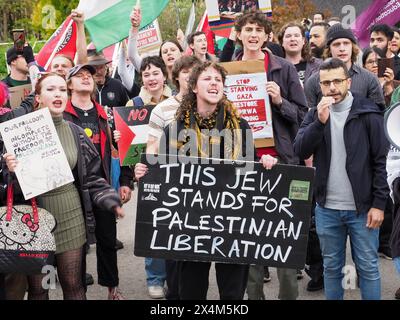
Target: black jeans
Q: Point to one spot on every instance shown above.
(314, 254)
(2, 287)
(106, 235)
(171, 268)
(193, 280)
(386, 228)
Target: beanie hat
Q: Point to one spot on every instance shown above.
(337, 32)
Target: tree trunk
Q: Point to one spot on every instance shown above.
(5, 26)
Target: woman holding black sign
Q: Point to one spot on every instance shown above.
(205, 107)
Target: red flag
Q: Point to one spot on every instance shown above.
(204, 26)
(63, 41)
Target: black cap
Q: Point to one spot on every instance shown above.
(337, 32)
(74, 70)
(12, 54)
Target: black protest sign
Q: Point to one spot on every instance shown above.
(214, 212)
(132, 122)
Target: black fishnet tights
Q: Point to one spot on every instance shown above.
(69, 270)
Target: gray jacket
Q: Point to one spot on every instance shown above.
(312, 67)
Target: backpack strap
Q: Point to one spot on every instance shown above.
(138, 102)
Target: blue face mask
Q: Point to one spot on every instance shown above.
(396, 262)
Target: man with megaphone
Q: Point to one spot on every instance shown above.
(392, 119)
(346, 136)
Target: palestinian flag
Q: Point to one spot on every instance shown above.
(132, 122)
(108, 21)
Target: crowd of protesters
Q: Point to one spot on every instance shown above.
(327, 100)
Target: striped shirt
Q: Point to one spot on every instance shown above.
(363, 82)
(162, 115)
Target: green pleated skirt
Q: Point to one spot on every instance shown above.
(65, 205)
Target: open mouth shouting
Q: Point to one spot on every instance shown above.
(213, 92)
(57, 103)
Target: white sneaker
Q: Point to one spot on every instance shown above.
(156, 292)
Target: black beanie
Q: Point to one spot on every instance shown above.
(12, 54)
(336, 32)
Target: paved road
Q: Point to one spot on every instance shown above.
(132, 274)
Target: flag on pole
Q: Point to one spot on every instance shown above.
(191, 20)
(379, 12)
(205, 27)
(108, 21)
(63, 41)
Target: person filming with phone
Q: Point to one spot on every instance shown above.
(21, 62)
(17, 61)
(374, 61)
(380, 37)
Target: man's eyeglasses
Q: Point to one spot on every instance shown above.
(336, 82)
(372, 62)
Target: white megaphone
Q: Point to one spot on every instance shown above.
(392, 125)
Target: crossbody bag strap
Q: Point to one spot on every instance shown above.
(10, 197)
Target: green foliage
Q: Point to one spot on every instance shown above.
(169, 18)
(49, 14)
(14, 14)
(3, 65)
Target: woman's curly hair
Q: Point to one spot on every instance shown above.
(189, 101)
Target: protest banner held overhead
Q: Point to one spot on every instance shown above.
(215, 212)
(149, 38)
(42, 163)
(132, 122)
(222, 13)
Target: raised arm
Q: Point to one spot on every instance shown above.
(81, 51)
(133, 52)
(127, 73)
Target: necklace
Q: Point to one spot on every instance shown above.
(85, 111)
